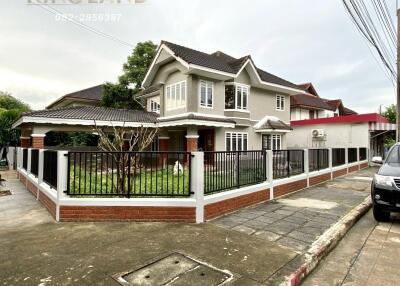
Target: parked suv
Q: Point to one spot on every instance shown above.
(385, 188)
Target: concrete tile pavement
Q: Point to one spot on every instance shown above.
(297, 220)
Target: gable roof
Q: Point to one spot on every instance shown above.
(271, 123)
(308, 100)
(309, 87)
(221, 62)
(93, 93)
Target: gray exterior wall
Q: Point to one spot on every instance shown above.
(261, 102)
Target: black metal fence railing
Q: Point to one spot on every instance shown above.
(318, 159)
(233, 169)
(338, 156)
(35, 162)
(363, 154)
(129, 174)
(287, 163)
(50, 168)
(352, 155)
(25, 159)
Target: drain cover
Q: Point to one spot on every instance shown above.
(175, 269)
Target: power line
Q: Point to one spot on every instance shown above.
(365, 24)
(84, 26)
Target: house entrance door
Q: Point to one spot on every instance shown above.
(206, 140)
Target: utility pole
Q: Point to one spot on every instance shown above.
(398, 78)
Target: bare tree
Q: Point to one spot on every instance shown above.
(120, 142)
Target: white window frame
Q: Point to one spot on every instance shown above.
(242, 136)
(273, 137)
(242, 87)
(207, 84)
(155, 106)
(280, 102)
(174, 91)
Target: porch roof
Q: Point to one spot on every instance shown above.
(271, 123)
(89, 115)
(196, 119)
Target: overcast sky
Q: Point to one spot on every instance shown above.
(42, 58)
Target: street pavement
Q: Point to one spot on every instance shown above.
(297, 220)
(246, 248)
(367, 255)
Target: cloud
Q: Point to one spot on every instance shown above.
(302, 41)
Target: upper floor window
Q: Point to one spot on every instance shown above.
(280, 102)
(176, 95)
(236, 141)
(206, 93)
(236, 96)
(154, 106)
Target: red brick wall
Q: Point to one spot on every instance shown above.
(289, 188)
(22, 179)
(216, 209)
(31, 187)
(38, 142)
(364, 165)
(100, 213)
(191, 144)
(353, 168)
(339, 173)
(48, 203)
(25, 142)
(319, 179)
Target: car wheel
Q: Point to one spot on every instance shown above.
(380, 215)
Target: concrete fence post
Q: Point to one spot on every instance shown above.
(197, 183)
(346, 159)
(306, 166)
(330, 160)
(18, 157)
(40, 170)
(270, 173)
(29, 161)
(358, 157)
(62, 175)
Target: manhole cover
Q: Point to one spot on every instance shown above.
(175, 269)
(5, 193)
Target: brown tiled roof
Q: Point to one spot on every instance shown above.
(93, 93)
(96, 113)
(348, 111)
(309, 88)
(308, 100)
(334, 103)
(222, 62)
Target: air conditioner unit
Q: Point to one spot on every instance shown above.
(318, 133)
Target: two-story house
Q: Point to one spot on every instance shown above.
(215, 102)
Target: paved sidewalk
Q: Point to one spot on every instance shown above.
(297, 220)
(36, 250)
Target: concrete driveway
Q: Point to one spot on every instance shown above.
(35, 250)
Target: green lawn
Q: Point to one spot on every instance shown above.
(145, 183)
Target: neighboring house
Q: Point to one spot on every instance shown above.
(85, 97)
(199, 101)
(323, 123)
(310, 106)
(215, 102)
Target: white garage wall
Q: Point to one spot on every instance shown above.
(336, 135)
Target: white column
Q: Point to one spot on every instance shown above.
(62, 175)
(40, 166)
(346, 158)
(306, 166)
(197, 183)
(330, 160)
(29, 161)
(270, 173)
(358, 157)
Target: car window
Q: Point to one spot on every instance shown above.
(394, 155)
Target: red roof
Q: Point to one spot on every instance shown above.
(367, 117)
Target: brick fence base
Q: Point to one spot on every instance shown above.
(319, 179)
(339, 173)
(223, 207)
(289, 188)
(353, 168)
(118, 213)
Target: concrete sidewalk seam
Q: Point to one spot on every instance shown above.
(325, 243)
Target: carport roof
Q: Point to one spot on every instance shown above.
(87, 115)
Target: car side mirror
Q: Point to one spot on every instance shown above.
(377, 160)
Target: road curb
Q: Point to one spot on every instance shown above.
(303, 265)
